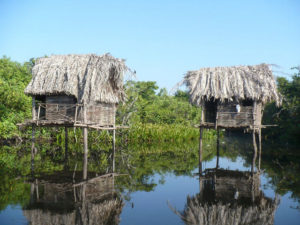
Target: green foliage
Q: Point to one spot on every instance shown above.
(146, 107)
(15, 105)
(287, 117)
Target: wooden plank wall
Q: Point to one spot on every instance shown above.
(63, 110)
(228, 115)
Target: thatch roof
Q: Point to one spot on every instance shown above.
(87, 213)
(229, 197)
(90, 78)
(196, 213)
(232, 83)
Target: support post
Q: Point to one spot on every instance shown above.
(200, 150)
(254, 152)
(33, 134)
(66, 145)
(218, 148)
(113, 150)
(200, 140)
(259, 149)
(114, 144)
(32, 148)
(85, 145)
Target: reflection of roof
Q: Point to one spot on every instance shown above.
(89, 78)
(91, 202)
(216, 203)
(106, 212)
(236, 82)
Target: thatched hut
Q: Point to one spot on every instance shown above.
(229, 197)
(77, 89)
(57, 201)
(232, 97)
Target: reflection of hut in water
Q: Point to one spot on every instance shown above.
(229, 197)
(89, 202)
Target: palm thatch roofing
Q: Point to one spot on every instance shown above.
(197, 212)
(90, 78)
(92, 213)
(232, 83)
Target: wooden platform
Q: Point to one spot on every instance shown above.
(66, 123)
(213, 126)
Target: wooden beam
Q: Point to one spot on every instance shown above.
(218, 148)
(259, 149)
(85, 145)
(66, 144)
(113, 150)
(200, 150)
(254, 152)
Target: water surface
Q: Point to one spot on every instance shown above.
(158, 185)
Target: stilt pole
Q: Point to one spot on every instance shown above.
(66, 144)
(33, 135)
(85, 156)
(259, 149)
(200, 150)
(218, 148)
(200, 141)
(85, 145)
(254, 151)
(113, 150)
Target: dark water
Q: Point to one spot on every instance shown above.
(157, 185)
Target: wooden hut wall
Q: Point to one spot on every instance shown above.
(229, 117)
(258, 114)
(101, 114)
(226, 187)
(60, 107)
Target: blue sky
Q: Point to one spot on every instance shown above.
(161, 40)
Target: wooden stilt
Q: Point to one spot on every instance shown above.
(200, 150)
(200, 141)
(32, 187)
(113, 150)
(32, 148)
(218, 148)
(254, 152)
(66, 145)
(85, 156)
(259, 149)
(33, 134)
(37, 189)
(85, 145)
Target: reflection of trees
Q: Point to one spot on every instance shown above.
(142, 162)
(229, 197)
